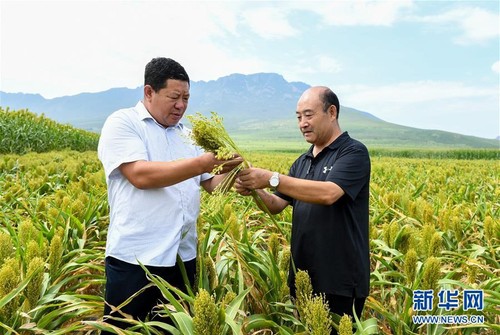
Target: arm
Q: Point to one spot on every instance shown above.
(210, 184)
(274, 203)
(316, 192)
(146, 174)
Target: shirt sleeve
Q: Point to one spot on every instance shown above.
(351, 170)
(120, 142)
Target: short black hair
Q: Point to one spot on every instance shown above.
(160, 69)
(329, 98)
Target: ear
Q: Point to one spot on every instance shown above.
(148, 92)
(333, 111)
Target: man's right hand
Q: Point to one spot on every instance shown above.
(211, 162)
(240, 188)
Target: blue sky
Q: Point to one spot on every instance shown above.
(424, 64)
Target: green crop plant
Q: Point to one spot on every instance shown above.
(433, 224)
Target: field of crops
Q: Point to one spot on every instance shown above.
(435, 226)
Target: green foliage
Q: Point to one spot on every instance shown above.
(434, 224)
(51, 268)
(22, 131)
(445, 153)
(445, 206)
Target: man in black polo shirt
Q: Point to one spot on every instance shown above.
(328, 187)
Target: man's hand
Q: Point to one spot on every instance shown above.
(224, 166)
(241, 189)
(252, 179)
(255, 179)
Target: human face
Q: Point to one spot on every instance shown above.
(315, 124)
(167, 106)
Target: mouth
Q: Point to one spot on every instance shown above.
(176, 116)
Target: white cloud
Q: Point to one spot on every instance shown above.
(316, 64)
(328, 64)
(476, 25)
(68, 47)
(450, 106)
(420, 91)
(269, 22)
(360, 12)
(496, 67)
(82, 46)
(274, 22)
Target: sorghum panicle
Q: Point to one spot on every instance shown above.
(10, 277)
(410, 265)
(345, 325)
(55, 255)
(317, 316)
(274, 245)
(491, 229)
(206, 315)
(304, 291)
(431, 273)
(6, 247)
(34, 288)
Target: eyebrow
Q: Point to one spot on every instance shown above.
(176, 92)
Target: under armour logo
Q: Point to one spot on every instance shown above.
(326, 169)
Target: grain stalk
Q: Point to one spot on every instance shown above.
(211, 135)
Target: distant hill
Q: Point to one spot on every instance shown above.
(258, 110)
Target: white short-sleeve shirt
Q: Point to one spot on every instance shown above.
(152, 226)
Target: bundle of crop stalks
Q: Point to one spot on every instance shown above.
(210, 134)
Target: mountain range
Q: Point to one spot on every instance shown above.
(257, 109)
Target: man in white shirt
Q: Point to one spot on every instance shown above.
(154, 173)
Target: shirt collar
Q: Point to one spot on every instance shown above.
(144, 114)
(339, 141)
(335, 145)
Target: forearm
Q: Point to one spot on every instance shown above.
(273, 203)
(210, 184)
(146, 175)
(311, 191)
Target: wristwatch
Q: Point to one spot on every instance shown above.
(274, 181)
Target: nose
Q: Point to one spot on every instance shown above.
(303, 123)
(180, 104)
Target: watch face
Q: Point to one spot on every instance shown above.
(274, 181)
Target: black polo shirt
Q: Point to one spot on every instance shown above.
(331, 242)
